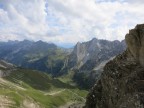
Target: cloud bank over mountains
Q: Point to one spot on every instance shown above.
(68, 21)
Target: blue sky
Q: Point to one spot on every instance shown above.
(68, 21)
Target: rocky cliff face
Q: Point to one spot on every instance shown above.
(122, 81)
(88, 55)
(135, 43)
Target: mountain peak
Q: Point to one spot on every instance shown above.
(94, 39)
(40, 41)
(93, 51)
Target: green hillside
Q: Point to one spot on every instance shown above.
(32, 89)
(42, 56)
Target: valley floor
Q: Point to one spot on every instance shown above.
(30, 89)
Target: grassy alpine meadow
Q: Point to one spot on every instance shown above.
(25, 88)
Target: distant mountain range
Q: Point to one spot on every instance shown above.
(38, 55)
(86, 59)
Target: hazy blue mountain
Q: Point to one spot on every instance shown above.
(86, 59)
(34, 55)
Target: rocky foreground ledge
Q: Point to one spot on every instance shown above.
(122, 81)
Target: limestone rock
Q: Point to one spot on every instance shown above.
(88, 55)
(135, 43)
(122, 82)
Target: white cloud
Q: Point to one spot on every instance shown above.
(106, 20)
(63, 21)
(24, 17)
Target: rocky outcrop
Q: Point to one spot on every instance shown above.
(5, 68)
(135, 43)
(122, 81)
